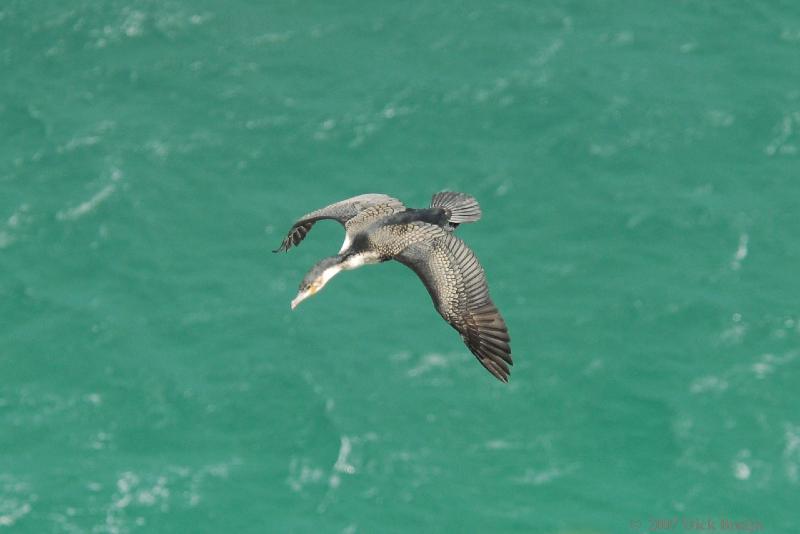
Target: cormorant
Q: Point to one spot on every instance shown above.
(380, 228)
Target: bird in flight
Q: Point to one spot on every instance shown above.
(379, 228)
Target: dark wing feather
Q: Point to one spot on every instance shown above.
(457, 285)
(358, 210)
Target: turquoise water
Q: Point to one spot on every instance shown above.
(637, 165)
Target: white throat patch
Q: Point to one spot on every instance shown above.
(329, 273)
(357, 260)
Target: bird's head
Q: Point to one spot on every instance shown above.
(317, 277)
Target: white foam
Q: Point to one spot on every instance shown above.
(301, 474)
(548, 52)
(741, 252)
(7, 520)
(100, 440)
(498, 444)
(741, 470)
(5, 239)
(87, 207)
(791, 452)
(761, 369)
(708, 383)
(78, 142)
(132, 25)
(341, 465)
(544, 476)
(14, 222)
(429, 361)
(780, 144)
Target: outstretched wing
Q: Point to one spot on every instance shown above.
(353, 213)
(457, 285)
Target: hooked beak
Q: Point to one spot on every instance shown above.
(317, 284)
(303, 295)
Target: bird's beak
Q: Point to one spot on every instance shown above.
(303, 295)
(299, 298)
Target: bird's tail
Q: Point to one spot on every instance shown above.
(461, 208)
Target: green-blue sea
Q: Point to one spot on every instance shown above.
(638, 167)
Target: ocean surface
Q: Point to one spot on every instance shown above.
(638, 166)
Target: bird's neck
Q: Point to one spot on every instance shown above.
(346, 262)
(354, 261)
(329, 273)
